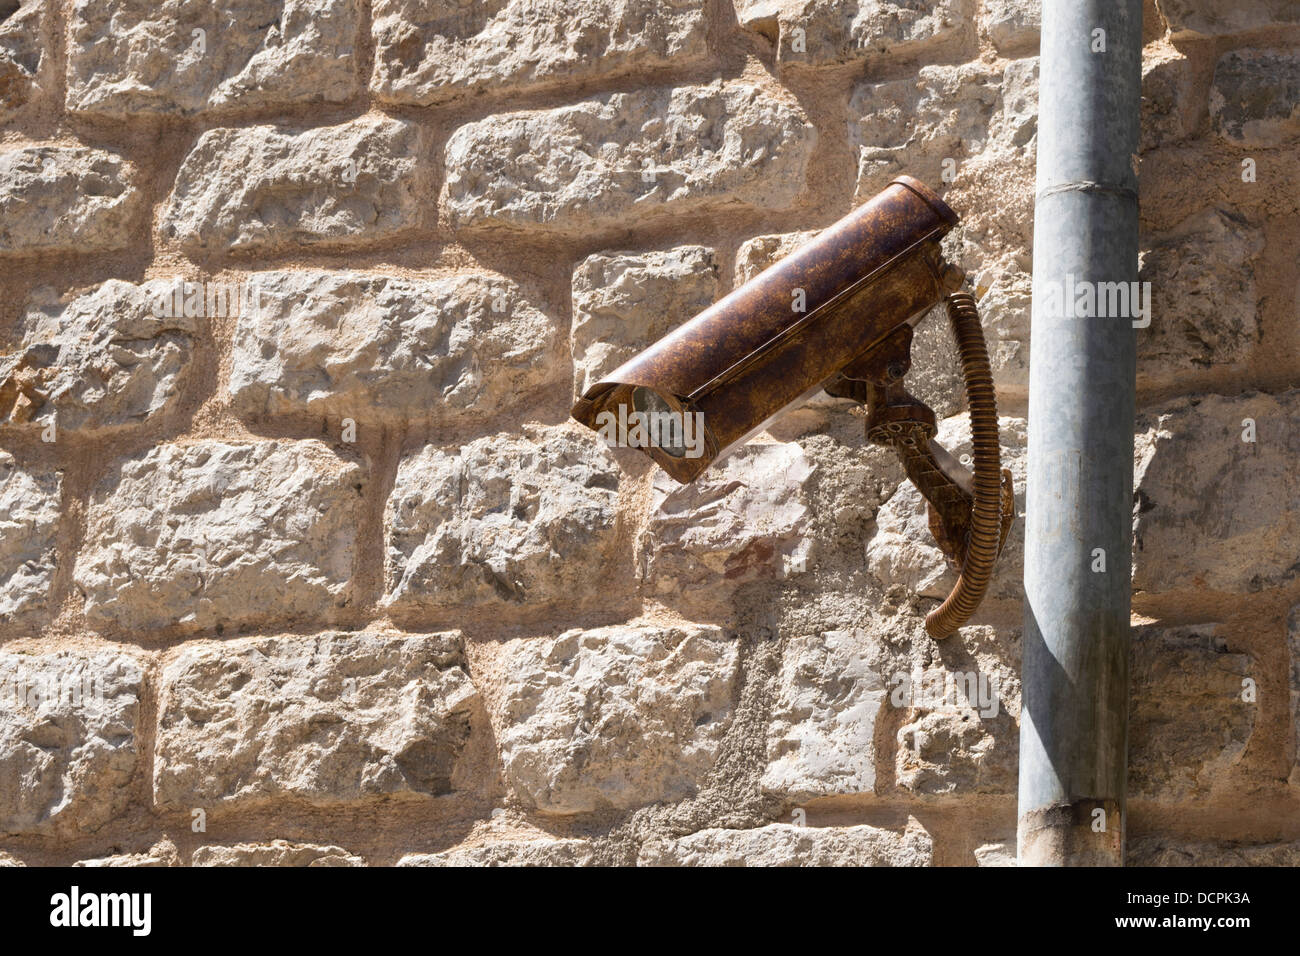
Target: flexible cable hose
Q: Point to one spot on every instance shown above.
(985, 535)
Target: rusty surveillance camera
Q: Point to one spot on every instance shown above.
(836, 314)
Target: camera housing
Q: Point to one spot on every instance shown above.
(783, 335)
(836, 314)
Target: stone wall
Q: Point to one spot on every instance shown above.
(302, 563)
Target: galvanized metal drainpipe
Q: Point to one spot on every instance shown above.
(1074, 717)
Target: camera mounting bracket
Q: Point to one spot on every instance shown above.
(969, 514)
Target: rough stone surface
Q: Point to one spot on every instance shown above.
(1255, 99)
(1212, 511)
(661, 150)
(1203, 300)
(68, 739)
(162, 854)
(1011, 24)
(904, 552)
(30, 508)
(103, 360)
(328, 718)
(992, 176)
(616, 716)
(745, 519)
(221, 534)
(997, 854)
(623, 302)
(782, 844)
(56, 199)
(1199, 17)
(821, 737)
(912, 125)
(1166, 96)
(1170, 851)
(1005, 310)
(275, 853)
(429, 51)
(22, 50)
(761, 252)
(953, 754)
(824, 32)
(850, 481)
(1188, 721)
(1016, 122)
(761, 16)
(373, 347)
(135, 57)
(544, 852)
(346, 185)
(952, 709)
(960, 733)
(506, 519)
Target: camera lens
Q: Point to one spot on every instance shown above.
(664, 425)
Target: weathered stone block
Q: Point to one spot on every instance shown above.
(1203, 296)
(851, 480)
(781, 844)
(506, 519)
(221, 534)
(821, 736)
(961, 737)
(1005, 310)
(1255, 98)
(757, 254)
(373, 347)
(1217, 494)
(162, 853)
(955, 754)
(912, 126)
(1166, 95)
(275, 853)
(543, 852)
(68, 739)
(660, 151)
(744, 519)
(135, 57)
(62, 199)
(110, 358)
(1017, 120)
(761, 16)
(343, 186)
(326, 719)
(1189, 719)
(1187, 18)
(825, 32)
(431, 51)
(615, 717)
(1172, 851)
(997, 854)
(30, 508)
(1011, 24)
(23, 43)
